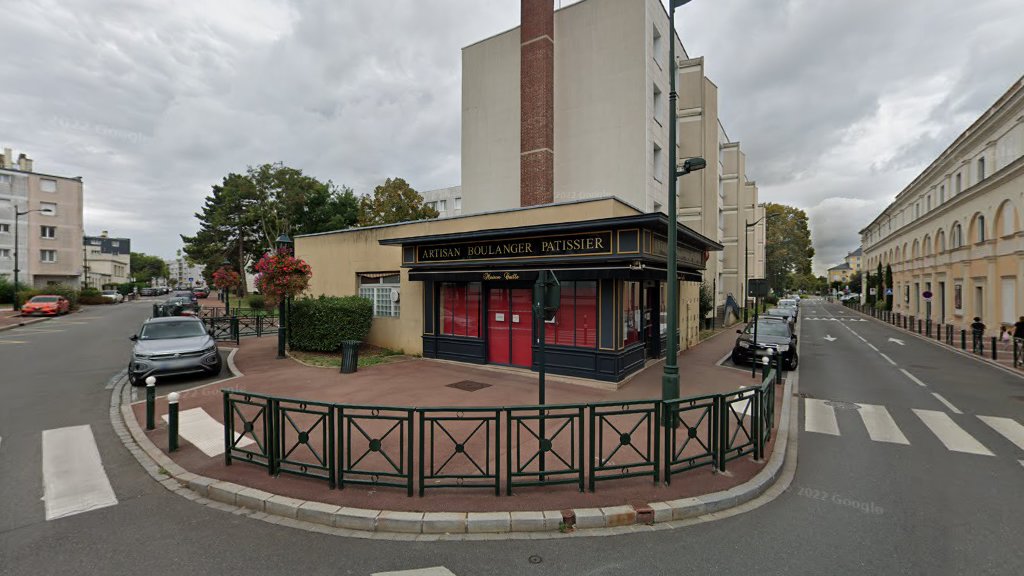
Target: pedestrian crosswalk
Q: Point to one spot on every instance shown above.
(839, 319)
(73, 477)
(957, 433)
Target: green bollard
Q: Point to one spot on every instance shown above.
(172, 421)
(150, 402)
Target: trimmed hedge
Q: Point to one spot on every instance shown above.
(256, 301)
(321, 324)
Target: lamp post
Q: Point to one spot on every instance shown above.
(283, 243)
(227, 291)
(18, 214)
(746, 256)
(670, 376)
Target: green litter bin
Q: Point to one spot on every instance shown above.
(349, 356)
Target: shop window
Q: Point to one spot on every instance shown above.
(460, 309)
(575, 323)
(630, 313)
(381, 288)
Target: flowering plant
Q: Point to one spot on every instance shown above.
(281, 275)
(224, 278)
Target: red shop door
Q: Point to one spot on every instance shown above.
(509, 327)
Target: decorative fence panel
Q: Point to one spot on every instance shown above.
(248, 428)
(375, 446)
(464, 448)
(544, 446)
(691, 438)
(304, 439)
(624, 440)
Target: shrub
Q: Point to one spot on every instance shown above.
(88, 293)
(6, 291)
(256, 301)
(321, 324)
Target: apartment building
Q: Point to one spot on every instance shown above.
(447, 201)
(49, 242)
(107, 261)
(955, 230)
(609, 99)
(181, 272)
(845, 270)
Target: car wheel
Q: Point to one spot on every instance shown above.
(734, 358)
(134, 380)
(793, 362)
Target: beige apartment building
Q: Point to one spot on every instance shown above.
(50, 235)
(955, 231)
(610, 129)
(107, 261)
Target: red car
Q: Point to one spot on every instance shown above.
(201, 293)
(47, 305)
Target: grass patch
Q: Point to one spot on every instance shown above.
(369, 355)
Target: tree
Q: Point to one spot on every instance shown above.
(788, 249)
(145, 267)
(869, 282)
(854, 283)
(888, 286)
(706, 303)
(243, 216)
(392, 202)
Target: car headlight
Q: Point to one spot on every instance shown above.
(783, 348)
(210, 350)
(744, 344)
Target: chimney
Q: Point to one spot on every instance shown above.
(8, 159)
(103, 234)
(537, 103)
(24, 163)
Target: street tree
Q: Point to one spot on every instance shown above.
(854, 283)
(392, 202)
(888, 286)
(788, 249)
(145, 267)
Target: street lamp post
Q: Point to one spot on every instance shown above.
(283, 242)
(670, 376)
(18, 214)
(227, 291)
(746, 257)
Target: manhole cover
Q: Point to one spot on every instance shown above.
(468, 385)
(842, 405)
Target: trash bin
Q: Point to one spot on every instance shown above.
(349, 356)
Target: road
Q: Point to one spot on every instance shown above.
(899, 473)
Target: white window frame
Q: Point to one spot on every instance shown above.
(5, 228)
(48, 208)
(442, 206)
(44, 253)
(44, 229)
(43, 187)
(380, 296)
(5, 253)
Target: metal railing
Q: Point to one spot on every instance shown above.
(462, 447)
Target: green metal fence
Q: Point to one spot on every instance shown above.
(462, 447)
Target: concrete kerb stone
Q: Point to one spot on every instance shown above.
(22, 324)
(365, 523)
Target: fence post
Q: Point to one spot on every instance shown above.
(723, 432)
(963, 339)
(994, 340)
(172, 421)
(229, 428)
(235, 329)
(938, 332)
(150, 402)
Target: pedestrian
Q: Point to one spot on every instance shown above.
(978, 332)
(1004, 336)
(1018, 328)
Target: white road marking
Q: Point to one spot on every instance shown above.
(203, 432)
(820, 417)
(872, 346)
(887, 358)
(432, 571)
(900, 342)
(12, 342)
(880, 425)
(952, 408)
(830, 338)
(915, 380)
(953, 436)
(73, 476)
(1009, 428)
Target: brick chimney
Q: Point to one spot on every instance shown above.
(7, 161)
(537, 103)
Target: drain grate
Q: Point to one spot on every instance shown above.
(468, 385)
(839, 404)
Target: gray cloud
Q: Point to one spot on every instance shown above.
(838, 104)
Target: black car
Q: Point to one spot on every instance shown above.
(772, 332)
(177, 306)
(184, 294)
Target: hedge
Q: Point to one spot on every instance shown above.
(321, 324)
(59, 289)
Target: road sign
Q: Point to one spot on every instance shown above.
(927, 295)
(888, 291)
(757, 287)
(190, 279)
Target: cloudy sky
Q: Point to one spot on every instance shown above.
(838, 103)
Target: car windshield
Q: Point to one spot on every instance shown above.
(44, 299)
(178, 301)
(769, 328)
(778, 312)
(182, 294)
(167, 330)
(787, 303)
(109, 292)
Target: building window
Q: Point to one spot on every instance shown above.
(928, 204)
(917, 210)
(460, 309)
(442, 206)
(942, 194)
(630, 313)
(47, 231)
(5, 228)
(48, 208)
(432, 205)
(956, 238)
(382, 289)
(47, 185)
(5, 253)
(981, 228)
(658, 45)
(659, 103)
(457, 203)
(981, 169)
(48, 255)
(114, 243)
(5, 179)
(657, 161)
(575, 323)
(958, 298)
(956, 190)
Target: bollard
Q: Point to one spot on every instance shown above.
(918, 325)
(938, 332)
(928, 328)
(994, 340)
(963, 339)
(766, 367)
(172, 421)
(150, 402)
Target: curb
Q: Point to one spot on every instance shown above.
(965, 354)
(25, 323)
(429, 526)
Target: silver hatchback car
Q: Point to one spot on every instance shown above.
(170, 346)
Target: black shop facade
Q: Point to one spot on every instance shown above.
(612, 316)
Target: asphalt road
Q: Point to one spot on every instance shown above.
(856, 505)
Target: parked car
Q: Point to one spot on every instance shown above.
(148, 292)
(179, 306)
(788, 313)
(172, 346)
(113, 295)
(185, 294)
(46, 305)
(853, 297)
(201, 293)
(772, 332)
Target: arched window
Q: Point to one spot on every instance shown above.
(956, 237)
(926, 245)
(981, 228)
(1006, 221)
(940, 242)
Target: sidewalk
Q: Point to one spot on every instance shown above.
(423, 382)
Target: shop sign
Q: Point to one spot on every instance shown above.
(506, 276)
(584, 244)
(684, 254)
